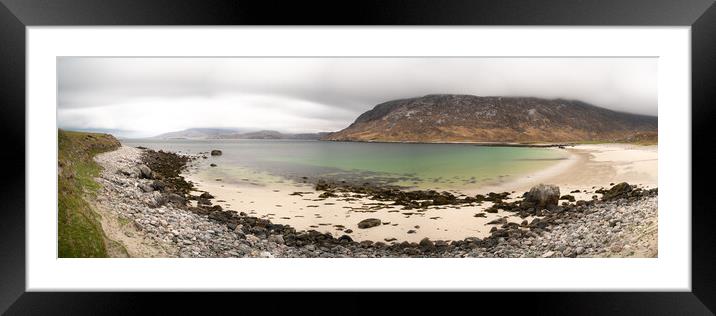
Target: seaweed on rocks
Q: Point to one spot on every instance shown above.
(167, 168)
(409, 199)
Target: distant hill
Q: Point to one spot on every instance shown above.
(468, 118)
(197, 133)
(217, 133)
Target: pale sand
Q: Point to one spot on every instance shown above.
(588, 167)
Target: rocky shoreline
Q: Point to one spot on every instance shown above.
(145, 190)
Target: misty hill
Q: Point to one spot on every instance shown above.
(218, 133)
(197, 133)
(272, 135)
(468, 118)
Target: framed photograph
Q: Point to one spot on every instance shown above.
(421, 146)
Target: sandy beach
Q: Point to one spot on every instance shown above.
(588, 168)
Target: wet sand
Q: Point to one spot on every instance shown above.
(588, 168)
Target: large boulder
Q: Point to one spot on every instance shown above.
(620, 190)
(216, 152)
(145, 172)
(368, 223)
(542, 196)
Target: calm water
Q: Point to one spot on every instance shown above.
(434, 166)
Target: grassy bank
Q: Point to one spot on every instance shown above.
(80, 234)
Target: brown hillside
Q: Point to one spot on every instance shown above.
(467, 118)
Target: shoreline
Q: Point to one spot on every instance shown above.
(590, 167)
(502, 240)
(489, 144)
(277, 204)
(486, 144)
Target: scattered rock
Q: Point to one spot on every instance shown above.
(618, 191)
(146, 188)
(498, 221)
(368, 223)
(277, 239)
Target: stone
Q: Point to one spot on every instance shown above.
(130, 172)
(146, 188)
(345, 238)
(203, 201)
(499, 221)
(277, 239)
(253, 240)
(216, 152)
(368, 223)
(145, 172)
(618, 191)
(174, 198)
(543, 195)
(548, 254)
(579, 250)
(426, 243)
(617, 247)
(411, 251)
(158, 185)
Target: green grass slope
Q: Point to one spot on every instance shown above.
(80, 234)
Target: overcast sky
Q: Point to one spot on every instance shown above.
(137, 97)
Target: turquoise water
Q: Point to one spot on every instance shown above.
(425, 166)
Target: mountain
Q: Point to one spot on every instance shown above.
(197, 133)
(219, 133)
(272, 135)
(468, 118)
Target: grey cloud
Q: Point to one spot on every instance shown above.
(336, 90)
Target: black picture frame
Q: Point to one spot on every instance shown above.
(16, 15)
